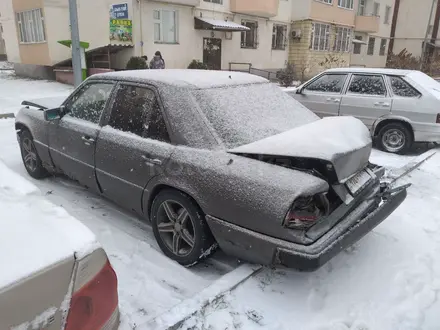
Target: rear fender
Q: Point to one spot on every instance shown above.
(375, 131)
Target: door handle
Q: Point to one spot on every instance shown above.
(154, 161)
(332, 99)
(383, 104)
(87, 140)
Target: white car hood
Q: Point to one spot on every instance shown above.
(35, 233)
(343, 141)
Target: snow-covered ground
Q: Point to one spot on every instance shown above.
(389, 280)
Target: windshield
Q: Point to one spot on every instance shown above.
(248, 113)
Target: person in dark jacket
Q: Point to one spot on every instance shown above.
(145, 57)
(157, 62)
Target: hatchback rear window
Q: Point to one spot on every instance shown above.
(401, 88)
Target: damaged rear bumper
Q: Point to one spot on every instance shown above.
(266, 250)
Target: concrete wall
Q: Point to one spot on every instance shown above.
(2, 45)
(331, 13)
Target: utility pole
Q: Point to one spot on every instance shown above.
(76, 47)
(425, 43)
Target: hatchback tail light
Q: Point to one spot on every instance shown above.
(94, 302)
(306, 211)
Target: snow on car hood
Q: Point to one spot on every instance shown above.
(34, 232)
(343, 141)
(46, 102)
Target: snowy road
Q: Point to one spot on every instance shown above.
(389, 280)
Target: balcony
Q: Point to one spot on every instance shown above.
(261, 8)
(367, 24)
(192, 3)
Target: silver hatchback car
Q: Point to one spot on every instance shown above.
(398, 106)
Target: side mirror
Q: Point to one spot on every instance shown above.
(299, 90)
(53, 114)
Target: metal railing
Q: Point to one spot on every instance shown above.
(247, 67)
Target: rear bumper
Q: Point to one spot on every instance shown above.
(259, 248)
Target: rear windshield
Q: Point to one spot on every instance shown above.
(245, 114)
(424, 80)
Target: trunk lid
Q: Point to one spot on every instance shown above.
(343, 143)
(45, 103)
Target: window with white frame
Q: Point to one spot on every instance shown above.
(387, 15)
(31, 26)
(166, 24)
(220, 2)
(346, 4)
(279, 35)
(376, 9)
(320, 36)
(326, 1)
(343, 39)
(249, 39)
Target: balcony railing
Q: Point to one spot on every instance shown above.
(367, 24)
(192, 3)
(261, 8)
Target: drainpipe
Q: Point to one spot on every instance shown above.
(141, 29)
(393, 28)
(435, 28)
(425, 41)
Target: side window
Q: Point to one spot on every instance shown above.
(329, 83)
(89, 103)
(367, 85)
(402, 88)
(136, 110)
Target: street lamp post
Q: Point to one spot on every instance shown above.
(76, 48)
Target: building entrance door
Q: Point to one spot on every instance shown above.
(212, 53)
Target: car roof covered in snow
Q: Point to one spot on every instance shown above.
(395, 72)
(35, 234)
(198, 79)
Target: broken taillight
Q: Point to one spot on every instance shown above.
(94, 303)
(306, 211)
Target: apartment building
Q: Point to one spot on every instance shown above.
(218, 32)
(343, 32)
(412, 22)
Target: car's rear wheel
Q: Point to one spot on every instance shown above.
(32, 162)
(180, 228)
(395, 138)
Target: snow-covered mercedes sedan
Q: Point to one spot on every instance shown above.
(53, 273)
(213, 159)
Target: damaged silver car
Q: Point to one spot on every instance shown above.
(213, 159)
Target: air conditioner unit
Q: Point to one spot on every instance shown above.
(296, 34)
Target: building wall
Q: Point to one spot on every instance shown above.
(331, 13)
(300, 9)
(7, 20)
(307, 62)
(411, 25)
(2, 43)
(375, 60)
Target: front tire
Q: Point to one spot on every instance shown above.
(32, 162)
(180, 228)
(395, 138)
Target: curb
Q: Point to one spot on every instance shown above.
(177, 315)
(6, 115)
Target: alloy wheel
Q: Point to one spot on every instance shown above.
(176, 228)
(393, 140)
(29, 154)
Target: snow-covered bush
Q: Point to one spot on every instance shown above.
(196, 64)
(286, 75)
(136, 63)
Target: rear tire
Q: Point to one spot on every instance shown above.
(31, 161)
(395, 138)
(180, 228)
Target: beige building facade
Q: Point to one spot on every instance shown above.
(224, 32)
(334, 33)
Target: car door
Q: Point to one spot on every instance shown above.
(134, 146)
(72, 138)
(323, 95)
(366, 98)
